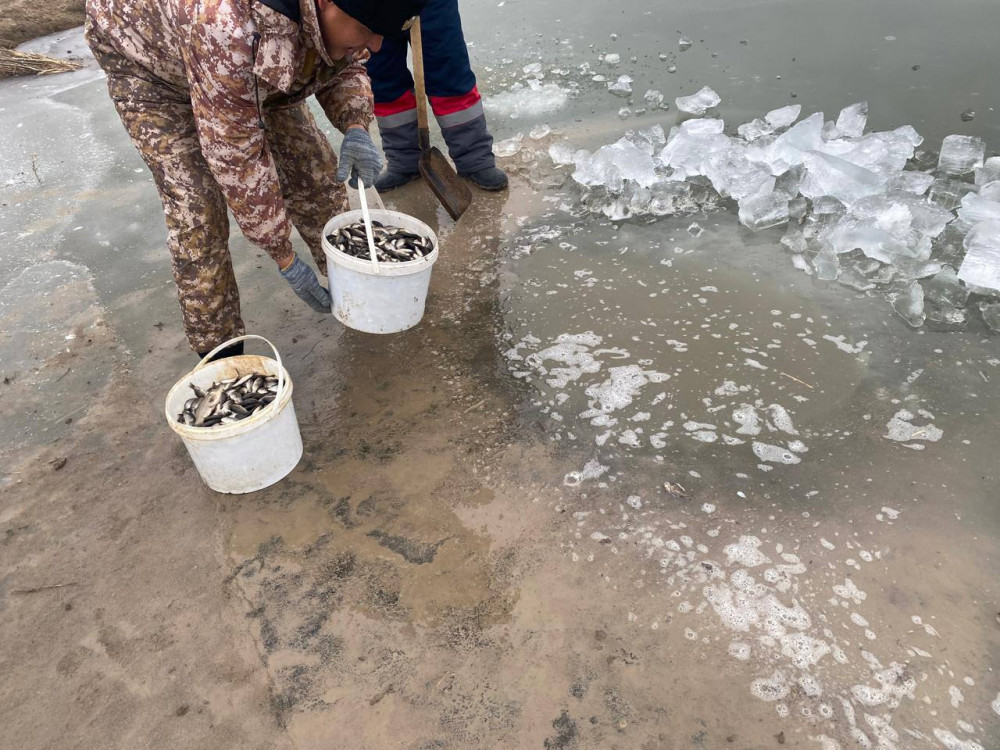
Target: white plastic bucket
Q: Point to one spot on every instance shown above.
(253, 453)
(391, 300)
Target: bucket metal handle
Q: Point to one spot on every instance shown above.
(368, 224)
(236, 340)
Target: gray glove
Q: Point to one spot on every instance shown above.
(358, 156)
(304, 283)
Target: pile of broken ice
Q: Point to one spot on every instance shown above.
(855, 212)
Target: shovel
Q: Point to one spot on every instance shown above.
(444, 182)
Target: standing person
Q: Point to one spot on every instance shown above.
(451, 88)
(212, 94)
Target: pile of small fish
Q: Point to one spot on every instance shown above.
(229, 400)
(392, 244)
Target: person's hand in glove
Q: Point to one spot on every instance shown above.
(359, 157)
(302, 279)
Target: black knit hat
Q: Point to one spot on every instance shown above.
(389, 18)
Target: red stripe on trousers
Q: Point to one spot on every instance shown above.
(449, 105)
(402, 104)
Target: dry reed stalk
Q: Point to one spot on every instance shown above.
(15, 63)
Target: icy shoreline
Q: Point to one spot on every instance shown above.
(858, 207)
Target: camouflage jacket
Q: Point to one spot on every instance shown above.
(211, 49)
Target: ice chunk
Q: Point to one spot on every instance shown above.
(981, 266)
(985, 175)
(734, 175)
(684, 43)
(532, 68)
(853, 278)
(790, 146)
(850, 234)
(692, 145)
(702, 127)
(508, 147)
(612, 164)
(909, 133)
(852, 119)
(948, 193)
(827, 205)
(612, 58)
(650, 140)
(826, 265)
(990, 191)
(946, 289)
(755, 129)
(653, 98)
(831, 176)
(621, 87)
(789, 182)
(699, 103)
(883, 153)
(909, 304)
(798, 208)
(911, 182)
(561, 152)
(961, 154)
(794, 239)
(764, 211)
(976, 208)
(668, 198)
(991, 317)
(929, 218)
(945, 298)
(540, 131)
(783, 116)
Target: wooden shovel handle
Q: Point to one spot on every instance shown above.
(417, 47)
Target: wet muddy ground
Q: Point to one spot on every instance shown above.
(628, 485)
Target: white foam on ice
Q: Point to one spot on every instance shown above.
(774, 453)
(841, 343)
(901, 428)
(951, 742)
(593, 469)
(620, 389)
(740, 651)
(746, 552)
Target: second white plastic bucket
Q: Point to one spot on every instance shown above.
(389, 301)
(250, 454)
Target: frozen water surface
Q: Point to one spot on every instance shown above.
(700, 346)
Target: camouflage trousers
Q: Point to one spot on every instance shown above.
(159, 120)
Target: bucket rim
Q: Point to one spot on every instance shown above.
(385, 269)
(219, 432)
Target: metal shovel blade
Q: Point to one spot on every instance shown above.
(445, 183)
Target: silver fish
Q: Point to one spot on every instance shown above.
(229, 400)
(392, 244)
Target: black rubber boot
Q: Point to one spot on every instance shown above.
(390, 180)
(230, 351)
(491, 178)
